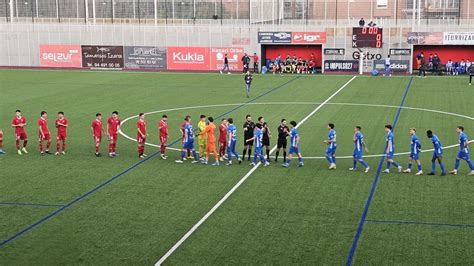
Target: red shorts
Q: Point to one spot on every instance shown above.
(141, 140)
(21, 135)
(113, 137)
(98, 139)
(223, 142)
(163, 139)
(61, 137)
(47, 136)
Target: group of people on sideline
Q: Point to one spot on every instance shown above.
(434, 65)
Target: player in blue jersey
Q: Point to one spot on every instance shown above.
(415, 149)
(463, 153)
(390, 150)
(231, 142)
(360, 146)
(437, 153)
(295, 145)
(188, 141)
(258, 138)
(332, 145)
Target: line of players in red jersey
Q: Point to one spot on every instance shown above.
(44, 135)
(19, 123)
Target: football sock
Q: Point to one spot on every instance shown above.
(456, 165)
(364, 163)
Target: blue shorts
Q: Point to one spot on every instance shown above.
(389, 155)
(294, 150)
(415, 156)
(188, 145)
(358, 154)
(231, 146)
(437, 155)
(331, 151)
(258, 150)
(463, 154)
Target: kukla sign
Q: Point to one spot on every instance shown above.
(188, 58)
(60, 56)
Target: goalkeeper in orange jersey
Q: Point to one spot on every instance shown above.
(210, 131)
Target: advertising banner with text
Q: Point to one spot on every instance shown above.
(60, 55)
(233, 55)
(144, 57)
(188, 58)
(98, 56)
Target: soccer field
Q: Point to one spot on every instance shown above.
(80, 209)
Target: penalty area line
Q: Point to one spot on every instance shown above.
(241, 181)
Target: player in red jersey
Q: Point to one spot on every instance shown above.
(141, 135)
(19, 123)
(43, 132)
(222, 139)
(97, 131)
(113, 126)
(1, 143)
(163, 128)
(61, 126)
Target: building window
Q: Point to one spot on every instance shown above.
(382, 3)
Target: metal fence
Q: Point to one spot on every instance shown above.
(239, 12)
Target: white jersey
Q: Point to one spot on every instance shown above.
(387, 61)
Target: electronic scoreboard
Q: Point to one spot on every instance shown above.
(366, 37)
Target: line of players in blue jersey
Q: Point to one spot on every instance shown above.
(360, 147)
(415, 150)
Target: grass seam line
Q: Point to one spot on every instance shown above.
(360, 227)
(64, 207)
(236, 186)
(30, 204)
(434, 224)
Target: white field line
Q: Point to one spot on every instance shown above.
(241, 181)
(305, 103)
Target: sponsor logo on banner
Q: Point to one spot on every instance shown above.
(188, 58)
(60, 55)
(429, 38)
(145, 57)
(334, 51)
(98, 56)
(464, 38)
(274, 37)
(341, 65)
(395, 65)
(309, 37)
(233, 55)
(367, 56)
(400, 52)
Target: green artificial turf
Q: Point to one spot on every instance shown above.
(306, 215)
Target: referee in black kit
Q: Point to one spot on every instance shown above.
(283, 133)
(249, 128)
(266, 136)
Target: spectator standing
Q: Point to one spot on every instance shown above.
(422, 65)
(255, 63)
(436, 62)
(361, 22)
(387, 70)
(226, 65)
(245, 63)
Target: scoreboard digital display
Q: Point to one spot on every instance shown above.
(367, 37)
